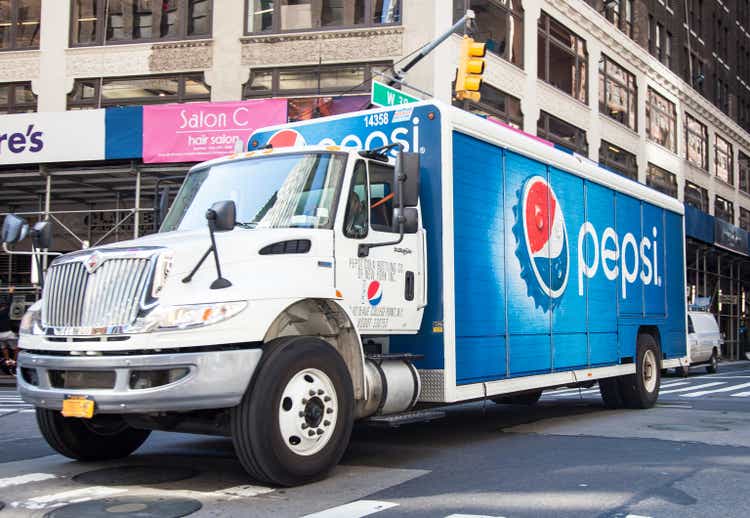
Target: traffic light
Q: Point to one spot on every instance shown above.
(470, 69)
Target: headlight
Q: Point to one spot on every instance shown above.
(32, 319)
(187, 317)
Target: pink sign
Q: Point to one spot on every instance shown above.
(193, 132)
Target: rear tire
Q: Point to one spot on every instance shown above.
(105, 437)
(294, 422)
(527, 398)
(609, 389)
(641, 390)
(713, 367)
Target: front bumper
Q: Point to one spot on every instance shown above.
(217, 379)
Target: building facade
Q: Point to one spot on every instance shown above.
(655, 90)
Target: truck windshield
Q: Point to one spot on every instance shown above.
(277, 191)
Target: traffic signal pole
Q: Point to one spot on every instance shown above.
(399, 74)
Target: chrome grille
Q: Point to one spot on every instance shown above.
(108, 297)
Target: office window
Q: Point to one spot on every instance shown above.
(661, 120)
(495, 103)
(128, 21)
(618, 160)
(127, 91)
(560, 132)
(300, 15)
(743, 166)
(696, 67)
(695, 16)
(668, 49)
(721, 94)
(19, 24)
(724, 209)
(17, 98)
(618, 93)
(562, 58)
(620, 14)
(745, 219)
(696, 196)
(724, 160)
(658, 35)
(661, 180)
(696, 136)
(318, 90)
(499, 25)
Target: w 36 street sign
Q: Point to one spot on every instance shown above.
(384, 95)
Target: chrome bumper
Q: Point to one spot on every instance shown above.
(217, 379)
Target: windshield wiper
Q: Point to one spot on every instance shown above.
(251, 224)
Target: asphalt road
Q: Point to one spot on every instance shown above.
(568, 456)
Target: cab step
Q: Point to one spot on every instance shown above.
(396, 420)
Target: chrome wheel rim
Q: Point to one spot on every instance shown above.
(649, 371)
(308, 411)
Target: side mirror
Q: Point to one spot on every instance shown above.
(13, 229)
(407, 178)
(411, 220)
(162, 206)
(24, 232)
(41, 235)
(222, 216)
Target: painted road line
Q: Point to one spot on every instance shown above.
(68, 497)
(25, 479)
(741, 394)
(575, 391)
(472, 516)
(687, 389)
(714, 391)
(353, 510)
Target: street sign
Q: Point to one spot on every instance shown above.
(384, 95)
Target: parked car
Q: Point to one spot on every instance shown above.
(704, 340)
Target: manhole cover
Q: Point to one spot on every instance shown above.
(134, 476)
(133, 506)
(688, 427)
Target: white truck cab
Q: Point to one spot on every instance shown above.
(149, 333)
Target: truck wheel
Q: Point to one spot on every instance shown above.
(294, 422)
(640, 390)
(528, 398)
(609, 389)
(713, 366)
(105, 437)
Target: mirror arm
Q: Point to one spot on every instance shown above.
(189, 277)
(220, 282)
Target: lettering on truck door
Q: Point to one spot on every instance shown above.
(382, 290)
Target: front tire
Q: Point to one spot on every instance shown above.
(713, 366)
(641, 390)
(294, 422)
(104, 437)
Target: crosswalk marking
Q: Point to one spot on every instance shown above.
(741, 394)
(356, 509)
(25, 479)
(712, 391)
(11, 402)
(687, 389)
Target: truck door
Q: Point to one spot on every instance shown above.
(385, 289)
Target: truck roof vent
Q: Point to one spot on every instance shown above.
(293, 246)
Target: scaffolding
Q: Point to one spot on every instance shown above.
(90, 204)
(717, 274)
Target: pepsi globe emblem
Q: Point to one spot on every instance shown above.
(286, 138)
(374, 293)
(542, 243)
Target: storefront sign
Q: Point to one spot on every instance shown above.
(195, 132)
(728, 236)
(29, 138)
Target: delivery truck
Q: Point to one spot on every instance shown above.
(372, 266)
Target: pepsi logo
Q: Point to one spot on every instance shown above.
(544, 242)
(286, 138)
(374, 293)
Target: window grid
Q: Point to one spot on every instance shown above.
(17, 98)
(617, 159)
(696, 142)
(269, 16)
(20, 22)
(696, 196)
(560, 132)
(138, 90)
(495, 103)
(724, 209)
(131, 21)
(724, 160)
(618, 93)
(661, 180)
(552, 35)
(661, 120)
